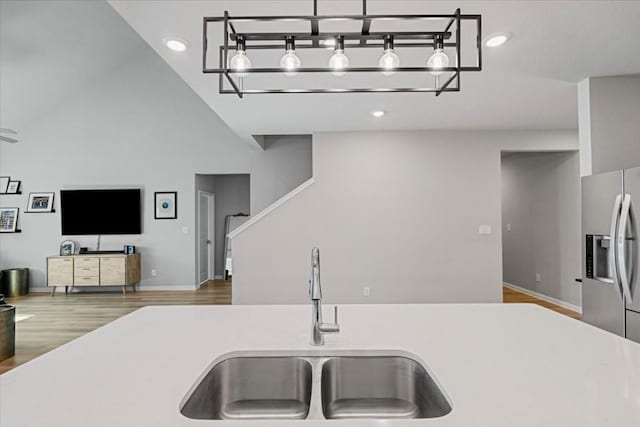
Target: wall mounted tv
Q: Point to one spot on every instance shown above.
(116, 211)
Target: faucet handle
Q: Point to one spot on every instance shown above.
(331, 328)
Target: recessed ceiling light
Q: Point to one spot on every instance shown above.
(176, 44)
(378, 113)
(497, 40)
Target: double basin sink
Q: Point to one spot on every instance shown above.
(256, 386)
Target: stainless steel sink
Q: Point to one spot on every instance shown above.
(347, 385)
(253, 388)
(379, 387)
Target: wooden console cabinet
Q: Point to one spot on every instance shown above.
(93, 270)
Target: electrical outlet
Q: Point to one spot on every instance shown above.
(508, 227)
(154, 273)
(538, 277)
(366, 291)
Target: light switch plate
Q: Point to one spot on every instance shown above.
(484, 229)
(185, 230)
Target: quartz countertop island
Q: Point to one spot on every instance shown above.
(511, 365)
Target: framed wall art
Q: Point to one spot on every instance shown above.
(8, 220)
(4, 183)
(13, 187)
(40, 202)
(166, 204)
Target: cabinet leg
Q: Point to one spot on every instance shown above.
(66, 290)
(124, 290)
(53, 291)
(134, 287)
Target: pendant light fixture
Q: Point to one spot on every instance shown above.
(422, 49)
(438, 59)
(389, 60)
(240, 61)
(339, 61)
(290, 61)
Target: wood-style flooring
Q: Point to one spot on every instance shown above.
(512, 296)
(60, 319)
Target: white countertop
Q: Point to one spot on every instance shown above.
(511, 365)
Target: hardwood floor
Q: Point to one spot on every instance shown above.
(60, 319)
(511, 296)
(57, 320)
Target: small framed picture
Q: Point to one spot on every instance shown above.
(166, 204)
(8, 220)
(40, 202)
(13, 187)
(68, 247)
(4, 183)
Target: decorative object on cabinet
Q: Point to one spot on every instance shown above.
(9, 220)
(4, 183)
(13, 187)
(129, 249)
(165, 204)
(40, 202)
(93, 270)
(68, 247)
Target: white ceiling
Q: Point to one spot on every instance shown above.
(51, 51)
(529, 83)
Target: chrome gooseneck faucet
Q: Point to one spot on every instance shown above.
(318, 328)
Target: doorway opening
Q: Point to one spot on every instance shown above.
(541, 243)
(221, 199)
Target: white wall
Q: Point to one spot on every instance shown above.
(284, 164)
(143, 126)
(396, 212)
(609, 110)
(541, 206)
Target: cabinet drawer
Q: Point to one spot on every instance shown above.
(86, 267)
(87, 261)
(80, 280)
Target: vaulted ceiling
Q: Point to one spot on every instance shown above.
(529, 83)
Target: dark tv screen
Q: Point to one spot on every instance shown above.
(100, 212)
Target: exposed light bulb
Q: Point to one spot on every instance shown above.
(389, 61)
(438, 60)
(240, 62)
(339, 62)
(290, 62)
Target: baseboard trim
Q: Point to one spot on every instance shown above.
(543, 297)
(218, 277)
(112, 288)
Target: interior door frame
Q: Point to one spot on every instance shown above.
(210, 236)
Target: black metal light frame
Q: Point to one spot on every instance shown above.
(364, 39)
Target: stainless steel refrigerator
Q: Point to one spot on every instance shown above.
(610, 261)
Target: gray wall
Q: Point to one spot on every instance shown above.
(142, 126)
(398, 212)
(609, 110)
(541, 206)
(284, 164)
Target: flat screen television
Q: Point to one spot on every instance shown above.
(116, 211)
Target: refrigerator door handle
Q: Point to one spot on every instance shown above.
(621, 246)
(613, 269)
